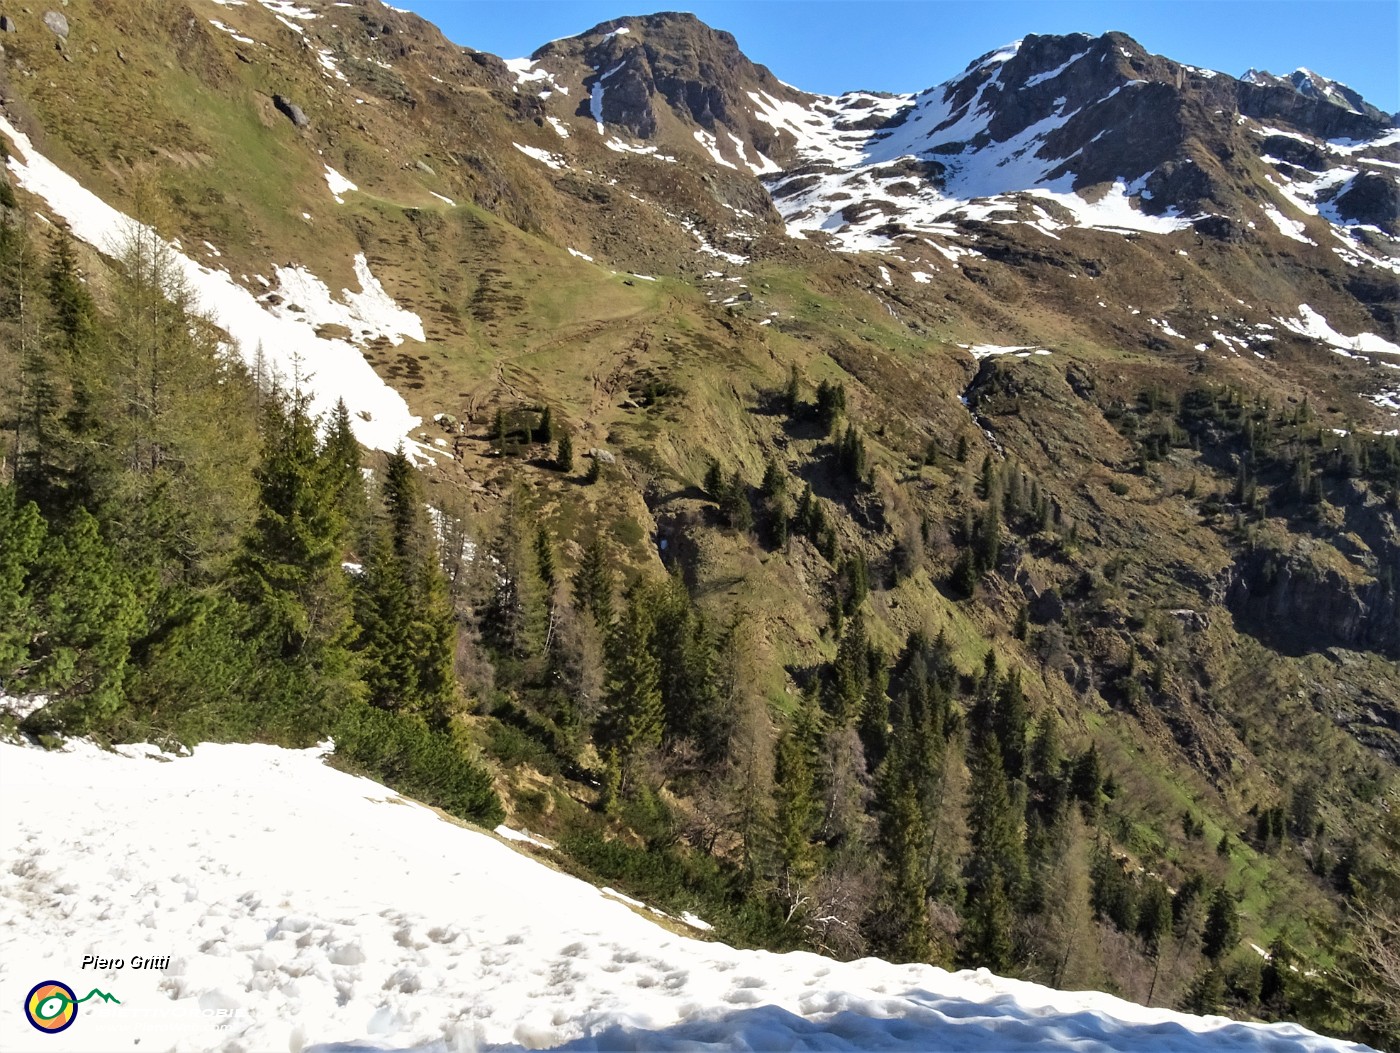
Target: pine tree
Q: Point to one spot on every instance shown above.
(850, 672)
(685, 656)
(1009, 722)
(89, 613)
(906, 848)
(545, 432)
(792, 395)
(403, 505)
(384, 611)
(544, 560)
(564, 459)
(986, 941)
(435, 644)
(288, 570)
(22, 538)
(593, 582)
(795, 812)
(998, 849)
(1222, 927)
(500, 433)
(69, 300)
(341, 454)
(633, 713)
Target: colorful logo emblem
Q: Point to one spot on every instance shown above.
(52, 1006)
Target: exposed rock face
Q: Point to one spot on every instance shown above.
(1302, 605)
(1311, 85)
(1371, 198)
(1315, 115)
(628, 89)
(57, 23)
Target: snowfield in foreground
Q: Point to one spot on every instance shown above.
(304, 909)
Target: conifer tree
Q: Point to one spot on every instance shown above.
(89, 612)
(69, 300)
(342, 457)
(986, 941)
(906, 847)
(1009, 721)
(1222, 927)
(998, 849)
(564, 459)
(22, 536)
(384, 611)
(794, 813)
(544, 559)
(633, 713)
(792, 395)
(288, 570)
(593, 582)
(685, 656)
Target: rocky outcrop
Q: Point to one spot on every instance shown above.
(1300, 604)
(1316, 116)
(1371, 198)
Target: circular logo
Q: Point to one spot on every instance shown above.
(51, 1006)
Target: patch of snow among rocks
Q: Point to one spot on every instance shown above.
(544, 157)
(339, 184)
(1311, 324)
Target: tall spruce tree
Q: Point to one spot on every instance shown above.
(593, 582)
(407, 631)
(288, 570)
(633, 714)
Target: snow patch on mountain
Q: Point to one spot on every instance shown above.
(525, 73)
(922, 161)
(1289, 228)
(339, 185)
(231, 32)
(595, 99)
(1311, 324)
(544, 157)
(303, 907)
(711, 145)
(331, 368)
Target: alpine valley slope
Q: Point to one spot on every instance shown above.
(1126, 329)
(309, 910)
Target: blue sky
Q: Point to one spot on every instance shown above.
(831, 46)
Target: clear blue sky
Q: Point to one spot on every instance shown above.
(830, 46)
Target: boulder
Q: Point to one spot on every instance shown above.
(7, 24)
(292, 111)
(58, 23)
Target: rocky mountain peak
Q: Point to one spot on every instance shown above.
(1314, 86)
(635, 68)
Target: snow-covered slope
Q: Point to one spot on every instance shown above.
(878, 166)
(305, 909)
(279, 321)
